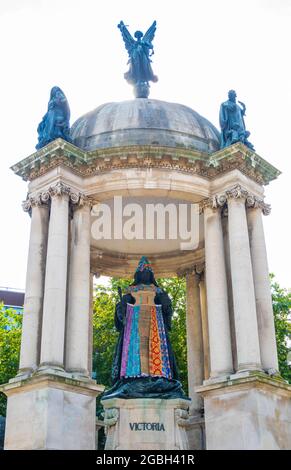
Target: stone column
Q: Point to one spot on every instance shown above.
(32, 317)
(205, 331)
(90, 331)
(77, 326)
(194, 340)
(246, 327)
(217, 302)
(264, 306)
(54, 308)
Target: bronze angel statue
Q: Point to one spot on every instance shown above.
(140, 50)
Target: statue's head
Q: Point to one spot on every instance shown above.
(56, 92)
(144, 273)
(58, 97)
(231, 95)
(138, 35)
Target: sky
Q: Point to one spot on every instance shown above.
(203, 48)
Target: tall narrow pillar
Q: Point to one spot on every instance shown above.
(77, 327)
(217, 303)
(194, 339)
(90, 331)
(246, 327)
(34, 289)
(265, 316)
(205, 330)
(54, 308)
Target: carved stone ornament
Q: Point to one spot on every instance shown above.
(111, 416)
(59, 189)
(237, 192)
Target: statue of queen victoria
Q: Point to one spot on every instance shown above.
(144, 365)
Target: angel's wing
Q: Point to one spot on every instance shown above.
(127, 37)
(150, 34)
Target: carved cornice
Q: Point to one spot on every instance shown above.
(237, 192)
(179, 159)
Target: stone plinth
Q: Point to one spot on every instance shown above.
(51, 412)
(251, 412)
(146, 423)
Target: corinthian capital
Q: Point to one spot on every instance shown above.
(254, 202)
(59, 189)
(214, 202)
(237, 192)
(32, 201)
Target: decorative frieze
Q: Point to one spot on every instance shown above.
(61, 153)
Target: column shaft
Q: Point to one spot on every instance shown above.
(217, 301)
(79, 294)
(33, 303)
(264, 306)
(205, 331)
(246, 328)
(54, 308)
(194, 339)
(90, 331)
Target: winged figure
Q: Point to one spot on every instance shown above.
(140, 50)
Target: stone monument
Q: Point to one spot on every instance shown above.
(148, 151)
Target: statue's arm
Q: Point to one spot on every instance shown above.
(120, 310)
(243, 108)
(127, 37)
(223, 116)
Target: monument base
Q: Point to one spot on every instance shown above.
(146, 423)
(51, 412)
(249, 413)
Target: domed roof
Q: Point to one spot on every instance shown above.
(144, 122)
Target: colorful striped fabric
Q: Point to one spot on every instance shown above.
(145, 320)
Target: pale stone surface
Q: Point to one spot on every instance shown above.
(90, 329)
(218, 316)
(172, 415)
(77, 324)
(34, 289)
(46, 412)
(252, 413)
(229, 289)
(246, 327)
(205, 330)
(54, 307)
(265, 316)
(194, 340)
(195, 429)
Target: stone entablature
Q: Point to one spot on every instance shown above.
(99, 161)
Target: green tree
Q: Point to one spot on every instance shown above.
(10, 338)
(281, 299)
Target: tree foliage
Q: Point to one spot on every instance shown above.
(10, 338)
(281, 299)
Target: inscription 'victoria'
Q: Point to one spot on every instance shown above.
(147, 426)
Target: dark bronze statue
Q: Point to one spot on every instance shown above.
(140, 50)
(144, 364)
(56, 122)
(231, 119)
